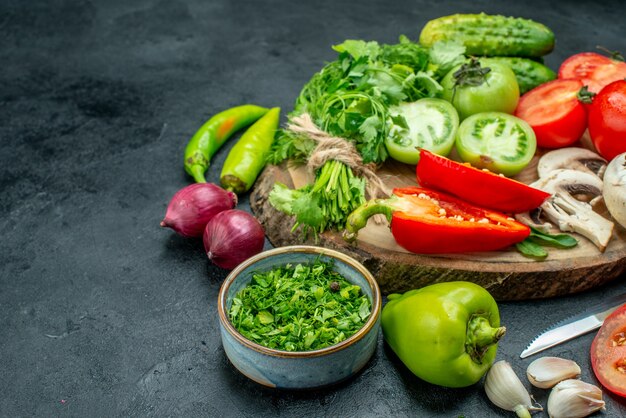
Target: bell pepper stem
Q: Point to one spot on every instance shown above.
(480, 336)
(359, 217)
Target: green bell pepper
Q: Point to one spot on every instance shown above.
(445, 333)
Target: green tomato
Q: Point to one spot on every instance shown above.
(427, 123)
(472, 89)
(497, 141)
(446, 333)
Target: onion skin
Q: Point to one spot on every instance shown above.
(231, 237)
(193, 206)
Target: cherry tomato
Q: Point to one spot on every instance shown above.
(497, 141)
(594, 70)
(430, 124)
(497, 92)
(607, 120)
(608, 352)
(554, 112)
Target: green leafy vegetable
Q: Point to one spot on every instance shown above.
(532, 246)
(358, 49)
(554, 240)
(351, 98)
(445, 55)
(299, 308)
(530, 249)
(325, 204)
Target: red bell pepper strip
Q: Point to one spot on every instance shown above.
(482, 188)
(424, 221)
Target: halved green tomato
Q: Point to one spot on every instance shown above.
(427, 123)
(497, 141)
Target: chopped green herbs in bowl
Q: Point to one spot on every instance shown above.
(306, 306)
(299, 317)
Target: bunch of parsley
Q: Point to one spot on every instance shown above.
(350, 98)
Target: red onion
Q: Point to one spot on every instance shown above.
(231, 237)
(193, 206)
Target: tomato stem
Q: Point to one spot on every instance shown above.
(614, 55)
(584, 95)
(471, 74)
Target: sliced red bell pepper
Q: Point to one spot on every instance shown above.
(482, 188)
(424, 221)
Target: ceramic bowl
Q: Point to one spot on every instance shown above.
(300, 369)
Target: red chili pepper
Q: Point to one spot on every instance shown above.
(482, 188)
(424, 221)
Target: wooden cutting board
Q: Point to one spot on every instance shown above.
(506, 274)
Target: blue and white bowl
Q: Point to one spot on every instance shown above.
(299, 369)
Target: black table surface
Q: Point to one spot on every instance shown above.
(103, 312)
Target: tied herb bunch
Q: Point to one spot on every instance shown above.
(350, 99)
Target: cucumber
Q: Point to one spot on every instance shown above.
(491, 35)
(529, 73)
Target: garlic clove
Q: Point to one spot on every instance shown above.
(574, 399)
(545, 372)
(505, 390)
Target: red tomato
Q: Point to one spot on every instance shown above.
(580, 66)
(594, 70)
(607, 120)
(554, 112)
(608, 352)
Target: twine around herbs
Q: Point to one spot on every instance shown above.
(338, 149)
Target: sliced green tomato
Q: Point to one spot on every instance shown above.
(427, 123)
(497, 141)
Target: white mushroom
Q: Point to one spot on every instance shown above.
(615, 188)
(534, 219)
(572, 158)
(571, 214)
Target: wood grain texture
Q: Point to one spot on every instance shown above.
(506, 274)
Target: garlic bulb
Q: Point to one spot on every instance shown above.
(505, 390)
(574, 399)
(545, 372)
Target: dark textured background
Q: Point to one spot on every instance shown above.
(105, 314)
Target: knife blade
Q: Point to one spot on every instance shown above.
(574, 326)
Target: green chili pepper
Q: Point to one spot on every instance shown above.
(247, 157)
(212, 135)
(445, 333)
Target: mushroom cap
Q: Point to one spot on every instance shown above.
(570, 181)
(571, 214)
(615, 188)
(573, 158)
